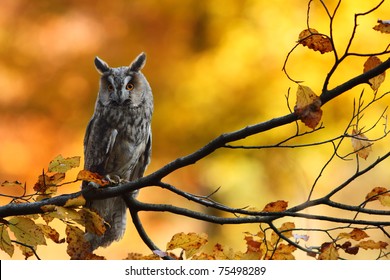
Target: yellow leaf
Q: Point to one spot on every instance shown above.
(308, 107)
(383, 26)
(77, 201)
(68, 214)
(190, 242)
(371, 63)
(328, 252)
(92, 221)
(5, 241)
(315, 41)
(62, 165)
(48, 183)
(284, 252)
(356, 234)
(78, 248)
(360, 144)
(276, 206)
(381, 194)
(51, 233)
(26, 231)
(371, 244)
(285, 229)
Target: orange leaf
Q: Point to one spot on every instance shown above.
(284, 252)
(315, 41)
(360, 144)
(371, 244)
(371, 63)
(355, 234)
(328, 252)
(276, 206)
(190, 242)
(383, 26)
(48, 183)
(89, 176)
(308, 107)
(78, 248)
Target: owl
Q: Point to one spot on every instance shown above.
(118, 140)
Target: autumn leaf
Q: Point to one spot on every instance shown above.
(371, 63)
(11, 184)
(190, 242)
(89, 176)
(48, 184)
(349, 249)
(315, 41)
(308, 107)
(51, 233)
(360, 144)
(370, 244)
(383, 26)
(138, 256)
(328, 252)
(284, 252)
(356, 234)
(5, 241)
(379, 193)
(92, 221)
(276, 206)
(77, 201)
(68, 214)
(285, 229)
(78, 248)
(26, 231)
(62, 165)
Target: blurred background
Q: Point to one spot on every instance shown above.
(214, 67)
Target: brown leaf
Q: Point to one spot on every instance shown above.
(190, 242)
(328, 252)
(276, 206)
(308, 107)
(78, 248)
(47, 184)
(356, 234)
(5, 241)
(315, 41)
(371, 63)
(371, 244)
(360, 144)
(92, 221)
(51, 233)
(89, 176)
(62, 165)
(383, 26)
(77, 201)
(284, 252)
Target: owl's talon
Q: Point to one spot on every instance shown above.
(93, 185)
(114, 179)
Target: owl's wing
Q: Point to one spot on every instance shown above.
(98, 143)
(143, 160)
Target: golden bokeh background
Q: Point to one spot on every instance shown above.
(214, 67)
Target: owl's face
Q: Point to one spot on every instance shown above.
(123, 87)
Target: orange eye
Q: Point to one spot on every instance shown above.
(110, 87)
(129, 86)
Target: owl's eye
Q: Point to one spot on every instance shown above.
(129, 86)
(110, 87)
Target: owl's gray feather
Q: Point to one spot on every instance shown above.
(118, 139)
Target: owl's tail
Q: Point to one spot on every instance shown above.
(113, 211)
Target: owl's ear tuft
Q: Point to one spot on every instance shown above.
(101, 65)
(138, 63)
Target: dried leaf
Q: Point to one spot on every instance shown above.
(308, 107)
(190, 242)
(47, 184)
(328, 252)
(68, 214)
(62, 165)
(315, 41)
(26, 231)
(5, 241)
(92, 221)
(51, 233)
(383, 26)
(89, 176)
(78, 248)
(360, 144)
(371, 63)
(356, 234)
(285, 229)
(284, 252)
(74, 202)
(371, 244)
(276, 206)
(138, 256)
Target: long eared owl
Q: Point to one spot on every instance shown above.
(118, 139)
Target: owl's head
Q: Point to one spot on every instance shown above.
(123, 86)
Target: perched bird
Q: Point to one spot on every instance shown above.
(118, 140)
